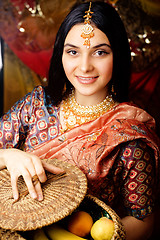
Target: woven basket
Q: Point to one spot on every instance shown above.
(97, 209)
(91, 204)
(61, 197)
(10, 235)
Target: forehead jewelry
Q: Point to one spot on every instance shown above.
(87, 31)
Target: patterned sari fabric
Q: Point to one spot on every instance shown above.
(118, 152)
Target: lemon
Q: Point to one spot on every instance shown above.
(102, 229)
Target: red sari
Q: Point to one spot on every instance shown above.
(94, 146)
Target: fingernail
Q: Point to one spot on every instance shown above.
(34, 195)
(40, 197)
(15, 196)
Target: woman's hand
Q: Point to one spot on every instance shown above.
(25, 164)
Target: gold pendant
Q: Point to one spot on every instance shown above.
(87, 31)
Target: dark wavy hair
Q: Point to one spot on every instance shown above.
(106, 18)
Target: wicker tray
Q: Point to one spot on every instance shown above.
(10, 235)
(61, 197)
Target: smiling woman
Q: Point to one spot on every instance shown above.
(88, 69)
(84, 117)
(117, 39)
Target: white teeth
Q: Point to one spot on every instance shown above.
(85, 78)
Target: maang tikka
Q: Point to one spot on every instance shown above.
(87, 31)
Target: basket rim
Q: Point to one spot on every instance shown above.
(118, 225)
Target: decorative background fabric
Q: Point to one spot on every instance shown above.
(34, 46)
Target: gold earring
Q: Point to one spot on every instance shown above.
(112, 90)
(64, 88)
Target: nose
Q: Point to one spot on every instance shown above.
(85, 63)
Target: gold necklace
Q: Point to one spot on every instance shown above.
(74, 114)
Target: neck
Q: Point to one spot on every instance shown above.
(85, 100)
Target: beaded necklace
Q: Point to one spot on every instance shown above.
(74, 114)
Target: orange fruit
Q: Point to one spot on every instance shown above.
(80, 223)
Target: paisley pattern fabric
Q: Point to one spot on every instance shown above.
(118, 152)
(138, 178)
(30, 121)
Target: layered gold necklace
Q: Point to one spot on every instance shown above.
(74, 114)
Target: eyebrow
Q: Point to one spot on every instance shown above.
(101, 45)
(70, 45)
(96, 46)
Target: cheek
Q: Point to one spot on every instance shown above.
(68, 66)
(106, 68)
(109, 69)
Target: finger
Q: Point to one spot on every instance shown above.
(28, 180)
(36, 169)
(51, 168)
(39, 191)
(39, 169)
(14, 185)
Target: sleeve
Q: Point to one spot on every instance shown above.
(14, 124)
(138, 179)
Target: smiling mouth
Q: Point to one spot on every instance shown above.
(86, 80)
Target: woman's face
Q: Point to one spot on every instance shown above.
(88, 69)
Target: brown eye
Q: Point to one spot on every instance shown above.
(100, 53)
(72, 52)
